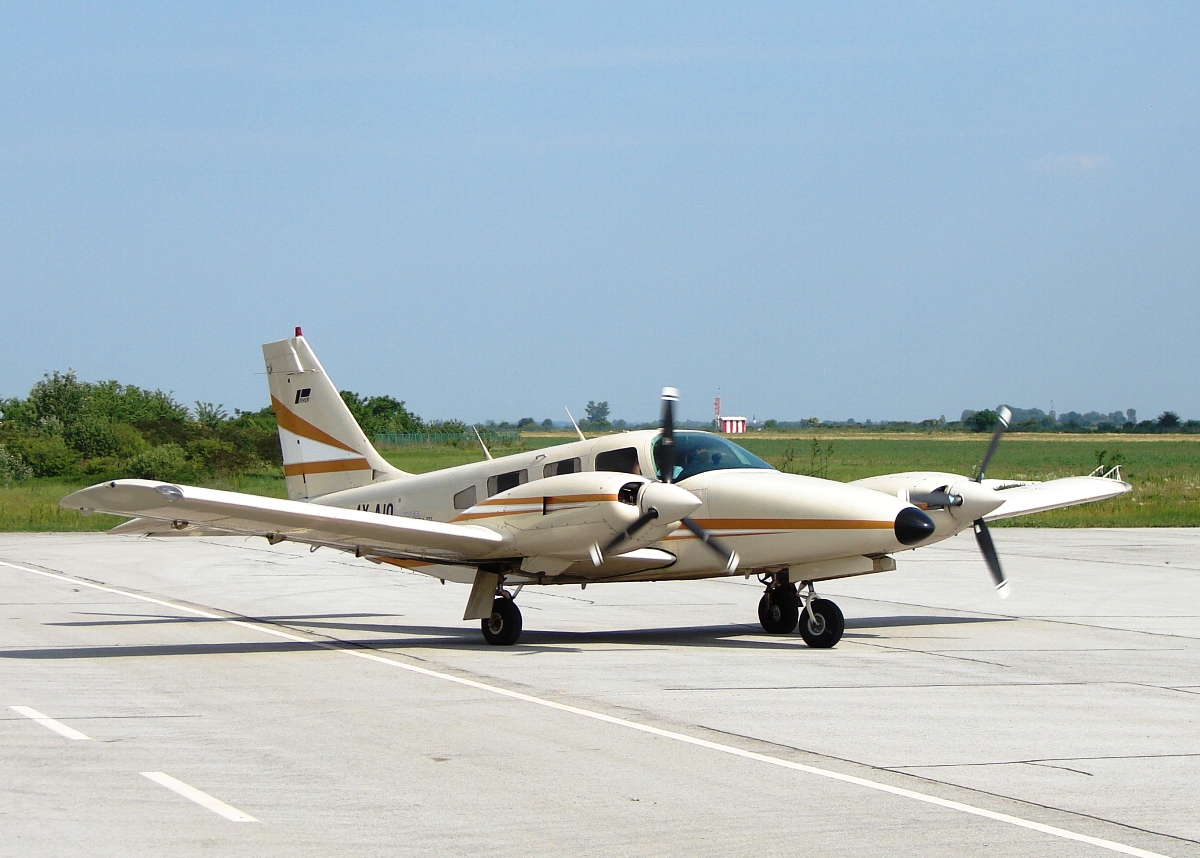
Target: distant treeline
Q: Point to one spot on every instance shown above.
(80, 430)
(1036, 420)
(104, 430)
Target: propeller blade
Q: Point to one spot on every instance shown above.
(666, 444)
(631, 531)
(984, 537)
(1005, 417)
(729, 556)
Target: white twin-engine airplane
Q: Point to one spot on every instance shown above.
(657, 505)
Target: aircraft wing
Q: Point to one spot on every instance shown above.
(1021, 498)
(157, 507)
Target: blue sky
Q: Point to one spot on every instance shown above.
(493, 210)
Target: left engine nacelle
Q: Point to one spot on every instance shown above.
(562, 516)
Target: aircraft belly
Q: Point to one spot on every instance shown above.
(774, 549)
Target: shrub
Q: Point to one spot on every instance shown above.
(129, 440)
(12, 467)
(164, 462)
(48, 456)
(105, 468)
(91, 436)
(220, 457)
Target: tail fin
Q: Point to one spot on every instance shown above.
(324, 450)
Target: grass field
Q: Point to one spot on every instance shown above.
(1164, 471)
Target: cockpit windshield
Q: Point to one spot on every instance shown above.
(697, 452)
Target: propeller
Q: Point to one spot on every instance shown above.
(666, 466)
(658, 497)
(983, 536)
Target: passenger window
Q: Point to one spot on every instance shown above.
(504, 482)
(623, 461)
(566, 466)
(464, 499)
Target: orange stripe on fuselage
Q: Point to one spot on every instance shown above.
(531, 505)
(539, 500)
(792, 524)
(757, 526)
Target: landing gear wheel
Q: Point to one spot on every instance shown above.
(503, 627)
(824, 628)
(778, 610)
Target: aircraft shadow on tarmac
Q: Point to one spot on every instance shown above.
(737, 636)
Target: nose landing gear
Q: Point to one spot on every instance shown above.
(821, 623)
(780, 610)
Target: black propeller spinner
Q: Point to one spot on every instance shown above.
(665, 461)
(983, 536)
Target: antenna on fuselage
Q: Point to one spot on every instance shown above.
(578, 431)
(481, 444)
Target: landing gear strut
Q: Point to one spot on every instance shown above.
(503, 627)
(821, 622)
(779, 608)
(782, 608)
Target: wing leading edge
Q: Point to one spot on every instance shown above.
(1022, 498)
(158, 507)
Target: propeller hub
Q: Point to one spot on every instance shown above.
(672, 502)
(977, 500)
(913, 526)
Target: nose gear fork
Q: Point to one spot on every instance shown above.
(822, 622)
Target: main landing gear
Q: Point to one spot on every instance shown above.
(782, 608)
(503, 627)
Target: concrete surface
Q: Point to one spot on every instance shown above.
(1075, 705)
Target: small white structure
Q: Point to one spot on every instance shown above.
(733, 425)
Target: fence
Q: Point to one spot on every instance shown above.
(429, 439)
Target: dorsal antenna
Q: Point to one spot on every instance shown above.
(578, 431)
(486, 452)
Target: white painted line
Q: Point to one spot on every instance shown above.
(878, 786)
(201, 798)
(50, 724)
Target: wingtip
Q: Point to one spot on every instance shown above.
(1002, 589)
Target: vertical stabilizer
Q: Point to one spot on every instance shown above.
(324, 450)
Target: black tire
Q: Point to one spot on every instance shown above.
(503, 627)
(779, 610)
(825, 628)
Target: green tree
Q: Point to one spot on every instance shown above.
(1168, 420)
(981, 421)
(597, 414)
(380, 415)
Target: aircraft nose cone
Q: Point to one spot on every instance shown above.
(912, 525)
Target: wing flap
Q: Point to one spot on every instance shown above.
(1026, 498)
(188, 507)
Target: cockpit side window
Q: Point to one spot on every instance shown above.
(566, 466)
(697, 452)
(623, 461)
